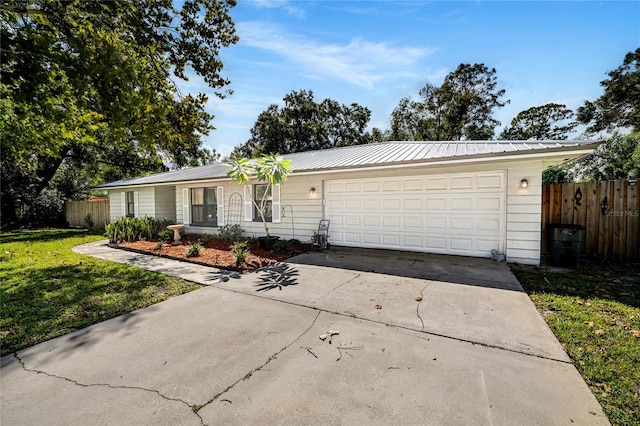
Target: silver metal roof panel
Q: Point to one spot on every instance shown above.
(371, 155)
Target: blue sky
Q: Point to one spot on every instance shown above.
(376, 52)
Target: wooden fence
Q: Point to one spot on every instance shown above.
(75, 213)
(609, 211)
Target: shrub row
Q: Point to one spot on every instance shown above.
(127, 229)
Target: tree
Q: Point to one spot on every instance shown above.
(272, 169)
(619, 106)
(616, 158)
(462, 108)
(546, 122)
(90, 85)
(303, 125)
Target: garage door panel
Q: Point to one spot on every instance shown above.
(435, 204)
(412, 241)
(371, 239)
(372, 221)
(457, 214)
(391, 185)
(490, 182)
(461, 224)
(352, 220)
(411, 222)
(391, 204)
(465, 203)
(436, 243)
(412, 185)
(351, 237)
(436, 223)
(461, 182)
(352, 187)
(371, 186)
(391, 240)
(391, 222)
(371, 204)
(413, 204)
(489, 203)
(461, 244)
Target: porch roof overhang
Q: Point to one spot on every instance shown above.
(386, 155)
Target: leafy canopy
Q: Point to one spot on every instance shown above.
(547, 122)
(462, 108)
(303, 125)
(89, 85)
(619, 105)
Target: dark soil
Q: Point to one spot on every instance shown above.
(216, 253)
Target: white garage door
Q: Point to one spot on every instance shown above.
(454, 214)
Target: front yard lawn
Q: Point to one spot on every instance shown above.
(594, 312)
(46, 290)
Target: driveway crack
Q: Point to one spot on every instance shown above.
(107, 385)
(419, 302)
(247, 376)
(358, 275)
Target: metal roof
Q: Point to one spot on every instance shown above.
(372, 155)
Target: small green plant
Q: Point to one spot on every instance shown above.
(194, 250)
(88, 219)
(281, 246)
(230, 232)
(158, 245)
(240, 249)
(165, 236)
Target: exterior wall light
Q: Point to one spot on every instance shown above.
(524, 183)
(312, 191)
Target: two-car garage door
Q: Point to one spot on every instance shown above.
(460, 214)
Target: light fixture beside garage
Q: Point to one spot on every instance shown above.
(312, 191)
(524, 183)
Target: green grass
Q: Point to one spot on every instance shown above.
(46, 290)
(594, 312)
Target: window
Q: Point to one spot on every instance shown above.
(203, 206)
(259, 191)
(131, 204)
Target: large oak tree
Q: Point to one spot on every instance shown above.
(89, 84)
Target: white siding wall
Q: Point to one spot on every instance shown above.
(146, 204)
(115, 205)
(165, 203)
(524, 213)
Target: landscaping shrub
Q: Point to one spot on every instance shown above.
(230, 232)
(194, 250)
(128, 229)
(44, 210)
(240, 250)
(281, 246)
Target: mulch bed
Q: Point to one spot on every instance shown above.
(215, 253)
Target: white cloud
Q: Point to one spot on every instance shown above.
(279, 4)
(358, 62)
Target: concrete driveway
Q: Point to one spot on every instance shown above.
(247, 349)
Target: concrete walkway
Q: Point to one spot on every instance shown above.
(245, 349)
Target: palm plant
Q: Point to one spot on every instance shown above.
(271, 169)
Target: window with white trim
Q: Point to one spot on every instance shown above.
(259, 191)
(203, 207)
(131, 204)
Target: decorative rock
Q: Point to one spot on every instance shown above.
(323, 337)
